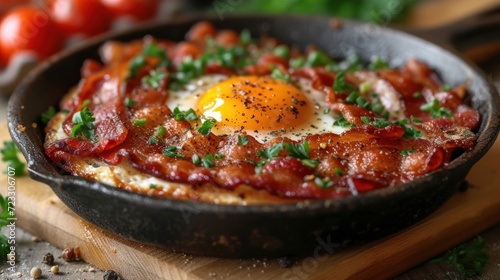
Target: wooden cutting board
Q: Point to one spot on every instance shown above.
(466, 214)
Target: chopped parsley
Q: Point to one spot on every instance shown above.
(378, 63)
(301, 151)
(140, 122)
(196, 159)
(246, 37)
(160, 131)
(435, 110)
(446, 88)
(153, 140)
(340, 85)
(417, 95)
(154, 79)
(365, 87)
(362, 102)
(327, 111)
(280, 75)
(338, 171)
(381, 123)
(206, 126)
(407, 152)
(189, 115)
(84, 124)
(129, 102)
(468, 259)
(9, 156)
(208, 161)
(269, 154)
(220, 156)
(282, 51)
(242, 140)
(415, 119)
(150, 50)
(171, 151)
(153, 186)
(365, 119)
(297, 62)
(318, 58)
(48, 115)
(342, 122)
(323, 183)
(411, 132)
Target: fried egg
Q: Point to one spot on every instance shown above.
(260, 106)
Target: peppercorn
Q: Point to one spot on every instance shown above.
(54, 269)
(48, 259)
(111, 275)
(35, 272)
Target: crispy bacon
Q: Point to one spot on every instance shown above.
(359, 160)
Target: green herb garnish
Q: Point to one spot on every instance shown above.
(318, 58)
(9, 156)
(282, 51)
(280, 75)
(269, 154)
(436, 110)
(189, 115)
(297, 62)
(338, 171)
(154, 79)
(171, 151)
(207, 126)
(242, 140)
(84, 124)
(342, 122)
(129, 102)
(446, 88)
(378, 63)
(365, 119)
(196, 159)
(246, 37)
(468, 259)
(407, 152)
(208, 161)
(323, 183)
(340, 85)
(48, 115)
(140, 122)
(301, 151)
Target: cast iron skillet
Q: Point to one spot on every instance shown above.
(257, 230)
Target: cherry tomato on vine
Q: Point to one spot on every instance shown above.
(88, 17)
(138, 9)
(28, 28)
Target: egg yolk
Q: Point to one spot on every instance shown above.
(255, 103)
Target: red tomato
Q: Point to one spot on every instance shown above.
(88, 17)
(28, 28)
(139, 9)
(6, 5)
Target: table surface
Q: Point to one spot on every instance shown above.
(30, 252)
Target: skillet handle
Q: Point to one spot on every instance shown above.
(476, 37)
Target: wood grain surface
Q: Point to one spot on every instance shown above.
(39, 211)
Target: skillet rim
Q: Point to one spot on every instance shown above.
(465, 161)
